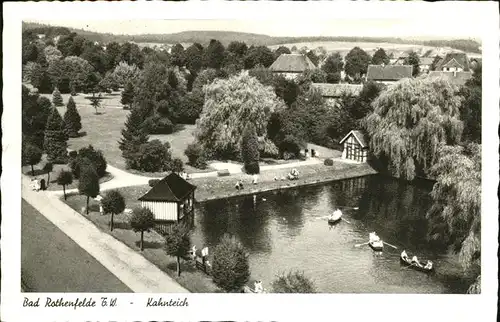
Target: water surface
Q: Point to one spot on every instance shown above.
(288, 229)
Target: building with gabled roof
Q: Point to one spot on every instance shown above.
(291, 65)
(328, 90)
(454, 62)
(170, 200)
(388, 74)
(355, 146)
(425, 64)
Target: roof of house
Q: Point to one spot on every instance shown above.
(457, 78)
(359, 137)
(171, 188)
(292, 63)
(460, 59)
(388, 72)
(426, 60)
(336, 90)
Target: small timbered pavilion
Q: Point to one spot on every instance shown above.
(355, 147)
(171, 200)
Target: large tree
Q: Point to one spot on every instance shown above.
(250, 150)
(280, 51)
(414, 61)
(31, 155)
(333, 65)
(194, 58)
(128, 95)
(72, 119)
(64, 178)
(356, 63)
(88, 184)
(471, 107)
(133, 136)
(178, 243)
(411, 120)
(230, 105)
(142, 220)
(178, 56)
(113, 203)
(214, 54)
(56, 138)
(125, 73)
(380, 57)
(455, 215)
(260, 55)
(35, 112)
(230, 268)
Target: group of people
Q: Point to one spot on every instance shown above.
(37, 185)
(415, 261)
(314, 153)
(184, 175)
(239, 184)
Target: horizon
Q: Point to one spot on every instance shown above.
(369, 28)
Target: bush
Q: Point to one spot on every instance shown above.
(72, 154)
(57, 98)
(194, 153)
(190, 107)
(290, 144)
(293, 282)
(177, 165)
(252, 168)
(158, 125)
(268, 149)
(328, 162)
(249, 146)
(154, 156)
(153, 182)
(95, 157)
(230, 268)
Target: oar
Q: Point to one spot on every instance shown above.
(354, 208)
(390, 245)
(345, 220)
(358, 245)
(409, 266)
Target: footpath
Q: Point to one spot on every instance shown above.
(131, 268)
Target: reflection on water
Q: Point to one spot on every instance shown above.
(287, 229)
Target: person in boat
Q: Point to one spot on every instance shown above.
(374, 237)
(404, 255)
(414, 260)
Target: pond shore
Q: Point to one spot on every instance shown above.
(224, 187)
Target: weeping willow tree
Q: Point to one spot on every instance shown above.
(230, 105)
(456, 212)
(411, 120)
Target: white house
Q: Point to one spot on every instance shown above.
(355, 147)
(454, 62)
(170, 200)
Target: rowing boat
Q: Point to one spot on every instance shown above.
(335, 217)
(429, 267)
(376, 245)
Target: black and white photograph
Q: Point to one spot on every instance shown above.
(252, 155)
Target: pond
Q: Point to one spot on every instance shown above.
(288, 229)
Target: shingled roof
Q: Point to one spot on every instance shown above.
(388, 72)
(359, 137)
(454, 60)
(426, 60)
(292, 63)
(336, 90)
(171, 188)
(457, 78)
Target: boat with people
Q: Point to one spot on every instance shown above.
(414, 263)
(335, 217)
(375, 242)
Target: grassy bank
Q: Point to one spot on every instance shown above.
(191, 278)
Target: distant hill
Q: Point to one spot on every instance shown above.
(225, 37)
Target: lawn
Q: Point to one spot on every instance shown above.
(52, 185)
(103, 130)
(191, 278)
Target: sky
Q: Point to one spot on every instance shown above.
(404, 28)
